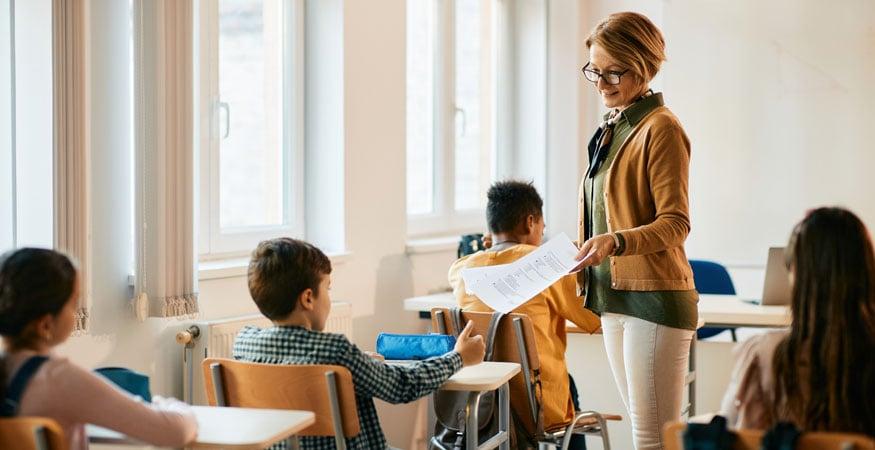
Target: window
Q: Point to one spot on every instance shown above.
(251, 185)
(450, 113)
(25, 124)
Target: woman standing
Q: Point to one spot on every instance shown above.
(633, 221)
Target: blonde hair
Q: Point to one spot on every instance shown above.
(633, 40)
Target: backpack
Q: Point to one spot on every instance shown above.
(11, 402)
(714, 435)
(470, 243)
(449, 406)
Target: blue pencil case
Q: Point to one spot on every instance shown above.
(414, 346)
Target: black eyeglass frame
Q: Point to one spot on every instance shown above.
(599, 75)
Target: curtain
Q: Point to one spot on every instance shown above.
(166, 266)
(70, 152)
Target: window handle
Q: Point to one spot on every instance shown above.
(461, 111)
(227, 108)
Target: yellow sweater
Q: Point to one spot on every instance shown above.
(548, 312)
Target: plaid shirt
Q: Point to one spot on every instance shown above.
(392, 383)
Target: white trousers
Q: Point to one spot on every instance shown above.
(649, 363)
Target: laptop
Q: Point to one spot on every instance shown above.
(776, 288)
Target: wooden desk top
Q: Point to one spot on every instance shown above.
(714, 310)
(486, 376)
(233, 428)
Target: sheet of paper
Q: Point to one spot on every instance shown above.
(508, 286)
(473, 275)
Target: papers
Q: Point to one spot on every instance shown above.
(507, 286)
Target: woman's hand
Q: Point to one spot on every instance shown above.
(594, 251)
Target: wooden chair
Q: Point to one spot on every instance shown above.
(324, 389)
(515, 342)
(31, 433)
(673, 435)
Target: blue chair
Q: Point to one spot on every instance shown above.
(712, 278)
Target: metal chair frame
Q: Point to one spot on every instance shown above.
(559, 439)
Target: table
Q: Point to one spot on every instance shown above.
(714, 310)
(231, 428)
(477, 379)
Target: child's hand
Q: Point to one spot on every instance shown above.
(377, 356)
(470, 348)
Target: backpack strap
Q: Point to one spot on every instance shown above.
(494, 321)
(456, 320)
(19, 384)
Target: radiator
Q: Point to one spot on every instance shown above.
(215, 339)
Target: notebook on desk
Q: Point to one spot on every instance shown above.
(776, 288)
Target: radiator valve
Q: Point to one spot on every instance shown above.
(187, 336)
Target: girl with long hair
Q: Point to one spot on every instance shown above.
(820, 374)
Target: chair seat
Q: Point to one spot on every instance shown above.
(585, 424)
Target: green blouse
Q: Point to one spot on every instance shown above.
(676, 309)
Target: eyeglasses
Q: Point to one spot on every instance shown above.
(610, 77)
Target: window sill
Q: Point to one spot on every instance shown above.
(432, 245)
(237, 267)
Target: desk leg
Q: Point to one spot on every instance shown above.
(472, 415)
(504, 415)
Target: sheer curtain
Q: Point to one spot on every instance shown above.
(70, 123)
(166, 267)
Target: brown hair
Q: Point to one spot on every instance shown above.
(34, 282)
(633, 40)
(824, 371)
(280, 270)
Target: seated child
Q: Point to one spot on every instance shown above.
(819, 374)
(38, 292)
(289, 281)
(514, 216)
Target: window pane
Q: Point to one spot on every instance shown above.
(33, 124)
(5, 127)
(420, 106)
(252, 165)
(470, 145)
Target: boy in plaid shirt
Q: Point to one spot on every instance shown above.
(289, 281)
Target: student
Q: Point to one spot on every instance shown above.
(289, 281)
(819, 374)
(516, 224)
(38, 292)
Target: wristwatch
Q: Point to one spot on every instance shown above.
(616, 243)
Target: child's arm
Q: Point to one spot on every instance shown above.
(397, 383)
(84, 397)
(571, 308)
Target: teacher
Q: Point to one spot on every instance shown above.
(633, 221)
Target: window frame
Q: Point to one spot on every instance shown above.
(445, 219)
(214, 242)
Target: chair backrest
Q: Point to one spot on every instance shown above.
(31, 433)
(711, 278)
(507, 349)
(750, 440)
(282, 386)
